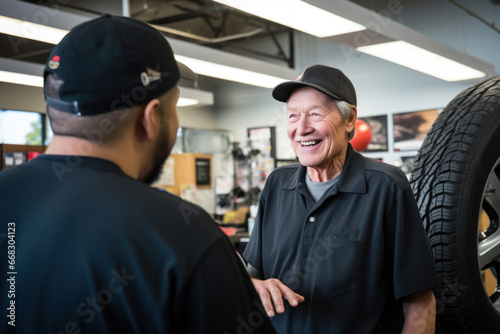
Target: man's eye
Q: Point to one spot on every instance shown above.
(292, 118)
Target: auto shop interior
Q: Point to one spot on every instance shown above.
(407, 59)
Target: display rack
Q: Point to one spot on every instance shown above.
(22, 150)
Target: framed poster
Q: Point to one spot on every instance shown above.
(262, 142)
(410, 128)
(378, 125)
(203, 174)
(263, 139)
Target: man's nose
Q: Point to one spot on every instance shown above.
(304, 126)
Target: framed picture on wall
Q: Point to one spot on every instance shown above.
(410, 128)
(264, 140)
(378, 125)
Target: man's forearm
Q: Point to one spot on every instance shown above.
(420, 313)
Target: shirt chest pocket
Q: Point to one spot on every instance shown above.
(339, 265)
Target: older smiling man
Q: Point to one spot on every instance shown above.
(338, 235)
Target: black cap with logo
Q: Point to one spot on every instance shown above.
(328, 80)
(111, 63)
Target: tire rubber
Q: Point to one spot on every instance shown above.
(448, 180)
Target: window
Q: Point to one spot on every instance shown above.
(24, 128)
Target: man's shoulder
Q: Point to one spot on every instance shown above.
(13, 177)
(170, 214)
(14, 170)
(382, 169)
(285, 171)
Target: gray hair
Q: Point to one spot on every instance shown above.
(345, 110)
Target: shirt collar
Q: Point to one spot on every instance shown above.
(352, 178)
(73, 161)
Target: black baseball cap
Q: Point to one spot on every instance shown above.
(328, 80)
(111, 63)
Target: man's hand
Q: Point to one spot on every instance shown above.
(272, 292)
(420, 313)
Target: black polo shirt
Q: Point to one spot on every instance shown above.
(99, 252)
(353, 254)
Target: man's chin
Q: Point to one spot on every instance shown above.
(151, 177)
(154, 173)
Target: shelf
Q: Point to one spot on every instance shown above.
(12, 148)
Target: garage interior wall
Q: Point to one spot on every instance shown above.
(382, 87)
(383, 91)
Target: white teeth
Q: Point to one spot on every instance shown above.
(309, 143)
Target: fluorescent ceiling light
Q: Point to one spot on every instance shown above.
(21, 79)
(298, 15)
(230, 73)
(31, 30)
(194, 97)
(419, 59)
(185, 102)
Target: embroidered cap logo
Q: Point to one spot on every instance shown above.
(54, 62)
(150, 76)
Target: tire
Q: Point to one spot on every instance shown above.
(456, 177)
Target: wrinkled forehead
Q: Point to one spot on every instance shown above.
(306, 98)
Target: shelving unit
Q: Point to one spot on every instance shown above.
(23, 149)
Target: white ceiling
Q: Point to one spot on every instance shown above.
(438, 19)
(447, 23)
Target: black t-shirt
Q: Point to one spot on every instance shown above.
(100, 252)
(353, 254)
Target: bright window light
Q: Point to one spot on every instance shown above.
(298, 15)
(21, 79)
(31, 30)
(419, 59)
(230, 73)
(20, 127)
(184, 102)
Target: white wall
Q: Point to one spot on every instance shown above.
(20, 97)
(197, 117)
(381, 89)
(240, 107)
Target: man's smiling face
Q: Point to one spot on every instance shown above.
(316, 129)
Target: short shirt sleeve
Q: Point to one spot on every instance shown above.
(407, 244)
(220, 297)
(253, 251)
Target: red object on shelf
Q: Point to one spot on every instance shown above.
(32, 155)
(362, 136)
(228, 230)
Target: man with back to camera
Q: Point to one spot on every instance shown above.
(338, 235)
(97, 250)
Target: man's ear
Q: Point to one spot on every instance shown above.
(149, 121)
(351, 121)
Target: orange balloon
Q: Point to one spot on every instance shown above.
(362, 136)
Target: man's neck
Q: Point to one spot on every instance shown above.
(65, 145)
(329, 169)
